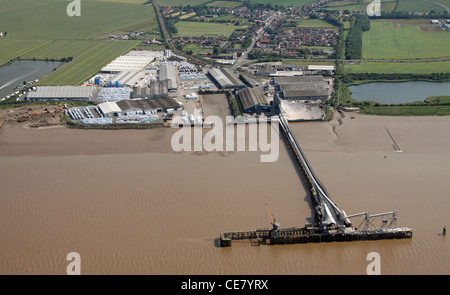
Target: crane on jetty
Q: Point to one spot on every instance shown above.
(331, 223)
(275, 224)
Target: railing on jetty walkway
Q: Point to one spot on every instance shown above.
(332, 224)
(326, 211)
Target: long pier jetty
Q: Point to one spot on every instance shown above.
(331, 223)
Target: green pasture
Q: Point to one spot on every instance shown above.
(386, 40)
(418, 6)
(445, 2)
(181, 2)
(43, 30)
(357, 5)
(47, 19)
(89, 63)
(225, 4)
(196, 49)
(400, 67)
(126, 1)
(58, 49)
(11, 49)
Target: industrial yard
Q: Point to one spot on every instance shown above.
(145, 86)
(34, 116)
(138, 87)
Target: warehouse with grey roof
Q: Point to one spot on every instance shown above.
(167, 72)
(225, 79)
(253, 101)
(302, 87)
(155, 89)
(62, 93)
(145, 106)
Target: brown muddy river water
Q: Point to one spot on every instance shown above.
(128, 204)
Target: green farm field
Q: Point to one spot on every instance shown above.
(231, 18)
(445, 2)
(356, 5)
(62, 48)
(196, 49)
(11, 49)
(196, 29)
(418, 6)
(226, 4)
(89, 63)
(43, 30)
(387, 40)
(126, 1)
(181, 2)
(400, 67)
(47, 19)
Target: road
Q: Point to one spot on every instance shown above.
(167, 38)
(243, 58)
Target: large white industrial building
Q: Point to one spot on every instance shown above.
(109, 109)
(133, 61)
(137, 107)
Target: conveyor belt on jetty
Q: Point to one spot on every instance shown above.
(331, 223)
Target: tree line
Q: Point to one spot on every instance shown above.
(349, 78)
(412, 15)
(353, 42)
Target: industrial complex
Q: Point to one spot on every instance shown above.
(162, 117)
(151, 84)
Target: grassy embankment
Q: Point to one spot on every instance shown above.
(431, 106)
